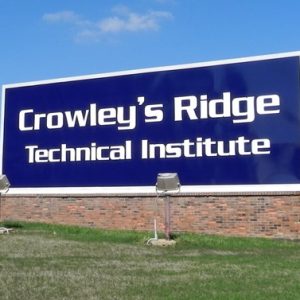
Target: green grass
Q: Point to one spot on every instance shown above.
(42, 261)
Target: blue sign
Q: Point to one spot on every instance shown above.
(226, 124)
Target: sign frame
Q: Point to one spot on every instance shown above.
(139, 190)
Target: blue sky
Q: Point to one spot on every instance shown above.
(45, 39)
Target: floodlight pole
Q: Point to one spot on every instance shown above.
(167, 217)
(4, 187)
(167, 184)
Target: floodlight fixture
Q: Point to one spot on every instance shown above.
(167, 183)
(4, 183)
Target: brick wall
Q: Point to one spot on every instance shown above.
(266, 216)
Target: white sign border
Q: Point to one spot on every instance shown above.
(151, 191)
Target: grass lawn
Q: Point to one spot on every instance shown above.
(39, 261)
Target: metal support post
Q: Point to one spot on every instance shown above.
(167, 217)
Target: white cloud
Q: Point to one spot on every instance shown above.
(122, 20)
(62, 16)
(133, 22)
(112, 24)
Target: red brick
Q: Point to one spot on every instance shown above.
(264, 216)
